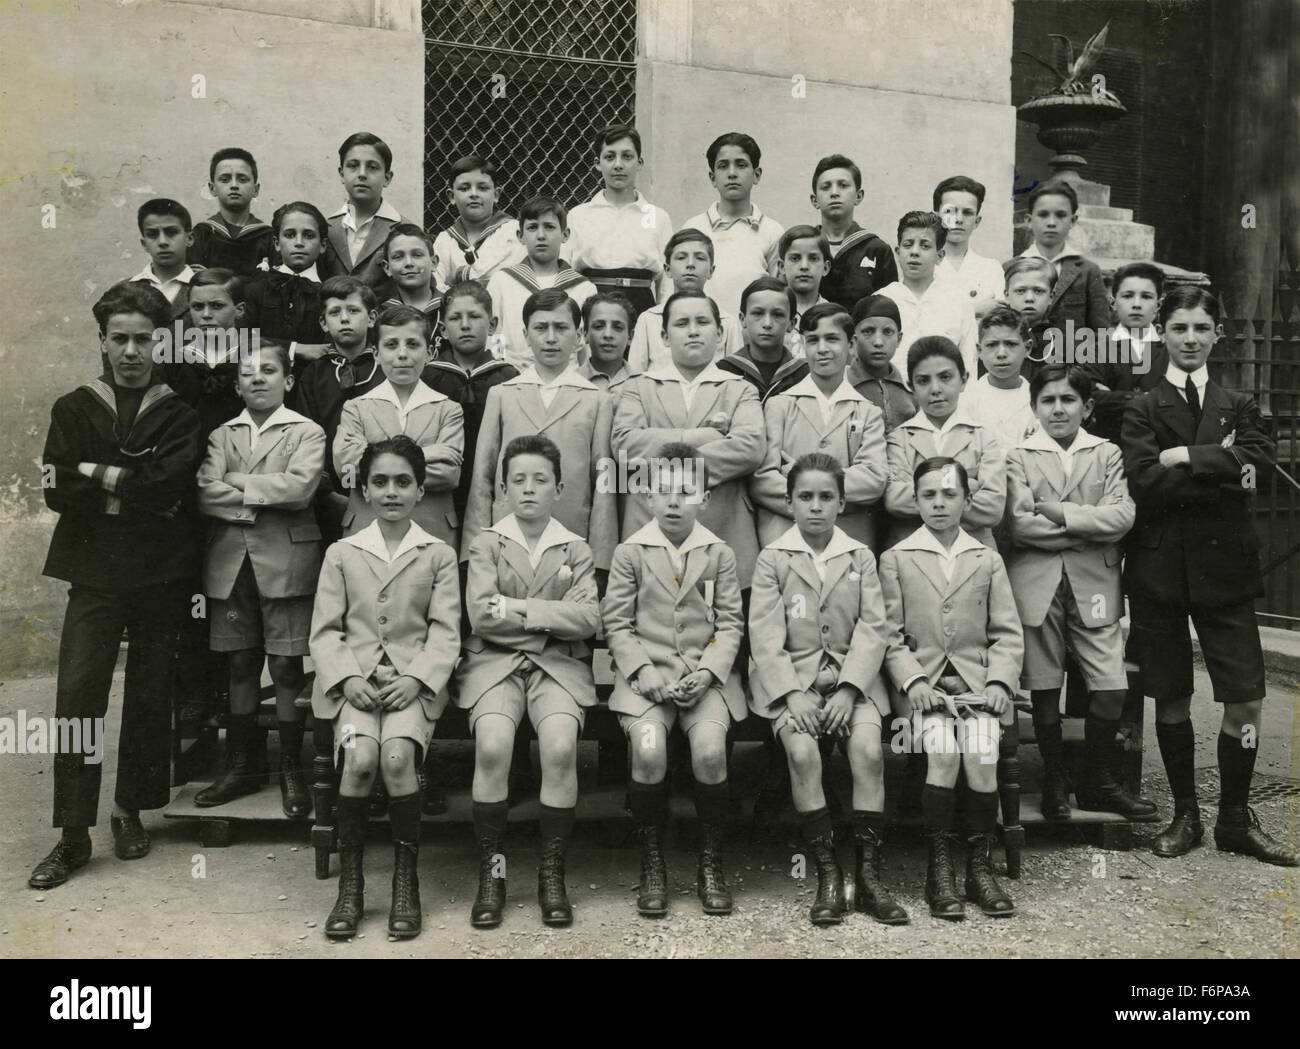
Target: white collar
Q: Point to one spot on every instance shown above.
(753, 220)
(971, 256)
(554, 534)
(422, 394)
(348, 213)
(666, 371)
(1066, 252)
(1178, 378)
(569, 377)
(807, 388)
(923, 539)
(959, 417)
(602, 201)
(1121, 333)
(793, 541)
(1039, 441)
(282, 416)
(941, 282)
(651, 534)
(309, 273)
(184, 277)
(371, 540)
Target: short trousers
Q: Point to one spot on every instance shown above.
(1099, 650)
(537, 693)
(279, 626)
(1161, 644)
(712, 707)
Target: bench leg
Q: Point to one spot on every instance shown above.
(1013, 835)
(214, 833)
(324, 791)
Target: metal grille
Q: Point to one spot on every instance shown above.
(527, 84)
(1265, 360)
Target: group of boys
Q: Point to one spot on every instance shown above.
(550, 322)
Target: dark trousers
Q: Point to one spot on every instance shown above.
(88, 650)
(1161, 644)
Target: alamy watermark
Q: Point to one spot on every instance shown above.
(43, 735)
(621, 475)
(180, 344)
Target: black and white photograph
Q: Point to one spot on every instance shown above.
(651, 480)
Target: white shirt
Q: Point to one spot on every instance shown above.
(608, 236)
(1007, 413)
(744, 249)
(508, 298)
(923, 539)
(981, 277)
(958, 418)
(420, 394)
(1178, 378)
(548, 389)
(650, 534)
(840, 543)
(1040, 441)
(310, 273)
(943, 309)
(371, 540)
(170, 288)
(554, 534)
(648, 349)
(280, 417)
(668, 372)
(808, 388)
(355, 234)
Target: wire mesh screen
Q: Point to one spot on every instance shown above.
(525, 83)
(1264, 360)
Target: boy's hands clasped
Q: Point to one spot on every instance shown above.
(685, 693)
(397, 695)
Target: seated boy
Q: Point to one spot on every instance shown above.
(553, 400)
(958, 201)
(744, 238)
(482, 240)
(1069, 508)
(234, 238)
(766, 309)
(263, 556)
(689, 399)
(618, 238)
(359, 229)
(674, 623)
(861, 263)
(876, 333)
(928, 305)
(1079, 296)
(543, 231)
(531, 595)
(126, 544)
(941, 427)
(607, 320)
(688, 262)
(999, 399)
(166, 237)
(403, 404)
(1135, 360)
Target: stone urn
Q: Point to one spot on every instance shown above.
(1069, 124)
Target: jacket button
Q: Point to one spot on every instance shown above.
(825, 629)
(681, 627)
(383, 619)
(383, 597)
(261, 500)
(947, 608)
(947, 631)
(383, 640)
(824, 442)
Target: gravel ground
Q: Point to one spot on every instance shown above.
(259, 897)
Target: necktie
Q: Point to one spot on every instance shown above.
(1193, 400)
